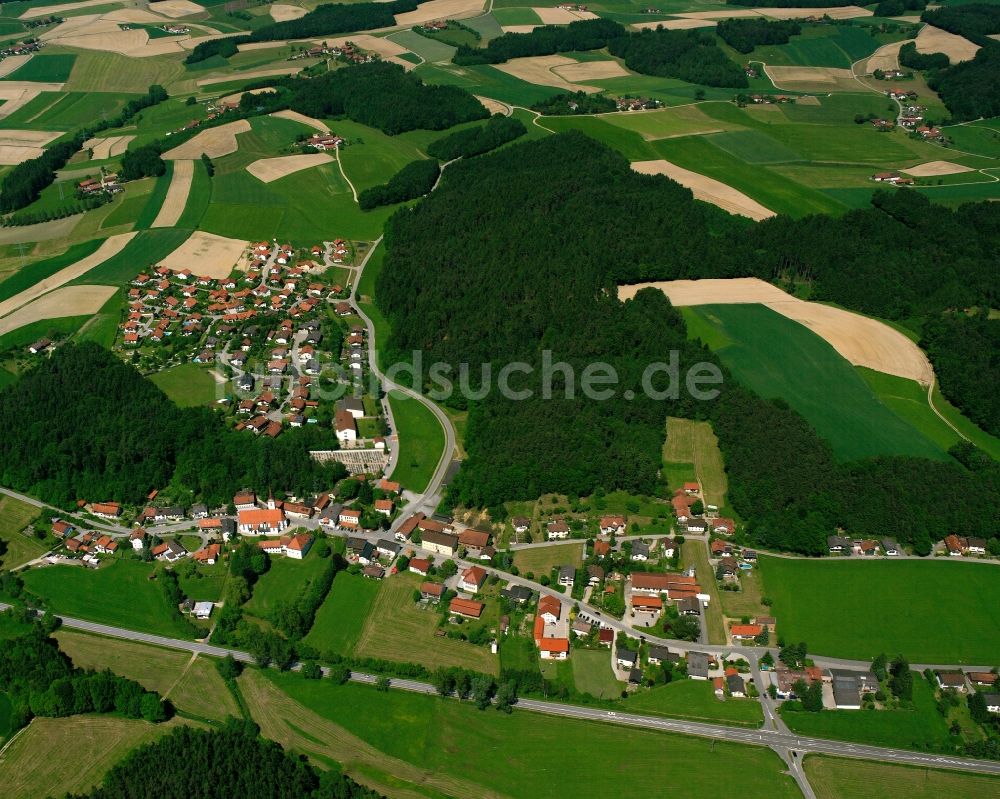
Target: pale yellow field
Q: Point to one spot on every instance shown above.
(206, 254)
(101, 32)
(17, 93)
(254, 73)
(108, 147)
(859, 339)
(11, 154)
(176, 8)
(935, 40)
(708, 189)
(44, 11)
(21, 145)
(377, 44)
(675, 24)
(591, 70)
(66, 301)
(136, 15)
(441, 9)
(540, 70)
(934, 168)
(519, 28)
(281, 12)
(177, 194)
(237, 96)
(295, 116)
(12, 63)
(213, 142)
(840, 12)
(561, 16)
(812, 78)
(886, 57)
(110, 247)
(494, 106)
(269, 169)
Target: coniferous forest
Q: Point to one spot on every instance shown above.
(452, 289)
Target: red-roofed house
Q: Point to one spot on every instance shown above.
(472, 579)
(553, 648)
(466, 607)
(262, 521)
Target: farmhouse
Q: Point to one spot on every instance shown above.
(261, 521)
(106, 510)
(557, 530)
(472, 579)
(474, 541)
(440, 543)
(612, 525)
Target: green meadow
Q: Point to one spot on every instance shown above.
(341, 618)
(695, 700)
(421, 442)
(187, 385)
(46, 68)
(777, 357)
(858, 609)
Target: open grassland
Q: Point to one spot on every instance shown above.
(695, 554)
(918, 726)
(592, 673)
(103, 71)
(62, 327)
(46, 67)
(694, 442)
(398, 629)
(819, 46)
(201, 692)
(102, 327)
(119, 593)
(68, 110)
(777, 357)
(746, 601)
(824, 603)
(187, 385)
(285, 580)
(487, 81)
(30, 275)
(427, 730)
(421, 442)
(372, 157)
(53, 757)
(14, 517)
(343, 614)
(154, 668)
(695, 700)
(838, 778)
(148, 248)
(542, 560)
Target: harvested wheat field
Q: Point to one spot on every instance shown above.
(206, 254)
(177, 195)
(494, 106)
(282, 12)
(133, 15)
(237, 96)
(862, 341)
(935, 40)
(22, 145)
(213, 142)
(268, 169)
(561, 16)
(67, 301)
(812, 78)
(441, 9)
(705, 188)
(539, 70)
(253, 73)
(44, 11)
(519, 28)
(885, 58)
(295, 116)
(675, 24)
(110, 247)
(933, 169)
(176, 8)
(12, 63)
(108, 147)
(591, 70)
(17, 93)
(12, 154)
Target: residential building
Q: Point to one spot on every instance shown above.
(472, 579)
(420, 566)
(553, 648)
(557, 530)
(640, 551)
(549, 609)
(468, 608)
(625, 658)
(697, 665)
(612, 525)
(737, 687)
(567, 576)
(658, 655)
(440, 543)
(261, 521)
(474, 541)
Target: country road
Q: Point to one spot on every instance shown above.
(762, 737)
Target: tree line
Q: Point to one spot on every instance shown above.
(478, 139)
(83, 424)
(571, 103)
(909, 57)
(414, 180)
(451, 289)
(24, 183)
(689, 55)
(744, 35)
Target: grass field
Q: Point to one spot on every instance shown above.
(63, 327)
(695, 700)
(398, 629)
(694, 553)
(421, 442)
(746, 601)
(837, 778)
(142, 252)
(518, 653)
(828, 604)
(198, 199)
(102, 327)
(155, 668)
(592, 673)
(120, 594)
(14, 517)
(153, 200)
(36, 763)
(917, 727)
(541, 560)
(187, 385)
(202, 692)
(694, 442)
(343, 615)
(44, 67)
(426, 731)
(111, 72)
(820, 46)
(30, 275)
(284, 581)
(777, 357)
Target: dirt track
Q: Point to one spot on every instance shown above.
(708, 189)
(859, 339)
(177, 194)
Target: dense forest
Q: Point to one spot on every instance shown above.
(966, 355)
(142, 162)
(477, 140)
(975, 21)
(896, 8)
(572, 103)
(84, 425)
(745, 34)
(219, 764)
(909, 57)
(451, 289)
(790, 3)
(41, 680)
(24, 183)
(689, 55)
(412, 181)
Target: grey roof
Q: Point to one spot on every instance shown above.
(517, 593)
(661, 653)
(352, 404)
(635, 676)
(640, 548)
(229, 526)
(846, 692)
(356, 544)
(889, 543)
(736, 684)
(567, 571)
(388, 546)
(697, 664)
(367, 551)
(626, 655)
(690, 605)
(834, 541)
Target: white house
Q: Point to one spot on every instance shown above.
(261, 521)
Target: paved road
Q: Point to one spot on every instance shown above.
(761, 737)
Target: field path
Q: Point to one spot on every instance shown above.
(343, 174)
(173, 204)
(111, 247)
(930, 401)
